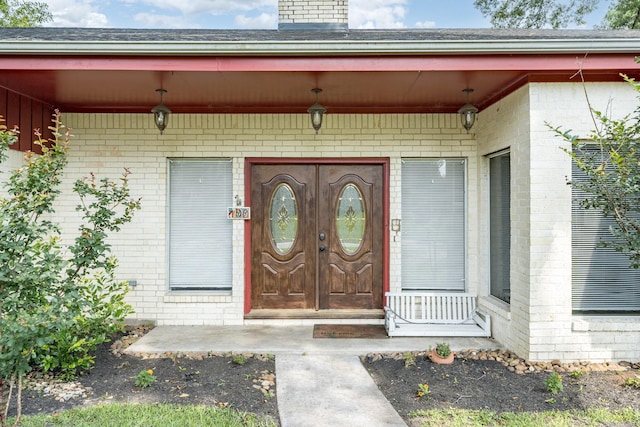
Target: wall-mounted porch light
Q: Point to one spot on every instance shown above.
(161, 113)
(316, 111)
(468, 112)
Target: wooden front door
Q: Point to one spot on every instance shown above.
(316, 236)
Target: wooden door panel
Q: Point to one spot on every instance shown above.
(350, 277)
(364, 280)
(283, 279)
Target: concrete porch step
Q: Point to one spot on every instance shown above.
(285, 340)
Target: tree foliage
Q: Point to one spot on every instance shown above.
(623, 14)
(57, 303)
(535, 13)
(612, 172)
(20, 13)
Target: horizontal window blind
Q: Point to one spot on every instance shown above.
(200, 235)
(601, 278)
(433, 224)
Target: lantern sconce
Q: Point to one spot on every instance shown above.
(316, 111)
(161, 113)
(468, 112)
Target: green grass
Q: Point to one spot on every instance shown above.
(147, 415)
(160, 415)
(590, 417)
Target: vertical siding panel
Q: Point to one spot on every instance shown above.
(26, 129)
(3, 104)
(36, 123)
(13, 110)
(27, 114)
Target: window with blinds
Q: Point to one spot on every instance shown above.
(602, 281)
(200, 235)
(500, 225)
(433, 224)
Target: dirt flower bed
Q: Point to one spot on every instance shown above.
(491, 380)
(245, 382)
(500, 382)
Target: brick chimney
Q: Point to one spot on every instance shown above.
(313, 14)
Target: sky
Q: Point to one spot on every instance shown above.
(263, 14)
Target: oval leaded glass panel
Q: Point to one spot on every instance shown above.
(350, 219)
(283, 218)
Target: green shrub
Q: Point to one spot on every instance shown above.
(145, 378)
(57, 303)
(443, 349)
(72, 346)
(238, 359)
(554, 383)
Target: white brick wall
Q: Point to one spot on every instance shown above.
(106, 143)
(505, 125)
(13, 161)
(539, 324)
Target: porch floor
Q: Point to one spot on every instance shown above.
(263, 339)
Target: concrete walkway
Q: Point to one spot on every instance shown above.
(319, 382)
(325, 391)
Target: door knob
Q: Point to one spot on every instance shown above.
(322, 248)
(322, 236)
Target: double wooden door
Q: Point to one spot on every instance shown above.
(316, 236)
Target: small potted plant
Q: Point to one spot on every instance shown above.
(441, 354)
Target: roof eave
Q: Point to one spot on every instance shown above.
(314, 48)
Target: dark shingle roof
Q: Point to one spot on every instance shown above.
(189, 35)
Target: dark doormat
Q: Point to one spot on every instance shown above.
(349, 331)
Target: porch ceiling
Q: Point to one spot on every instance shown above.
(283, 85)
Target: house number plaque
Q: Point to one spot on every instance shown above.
(239, 213)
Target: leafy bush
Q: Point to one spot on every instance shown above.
(56, 308)
(612, 175)
(72, 346)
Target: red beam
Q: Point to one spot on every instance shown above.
(391, 63)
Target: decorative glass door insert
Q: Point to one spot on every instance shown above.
(351, 219)
(283, 218)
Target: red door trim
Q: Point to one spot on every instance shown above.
(250, 161)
